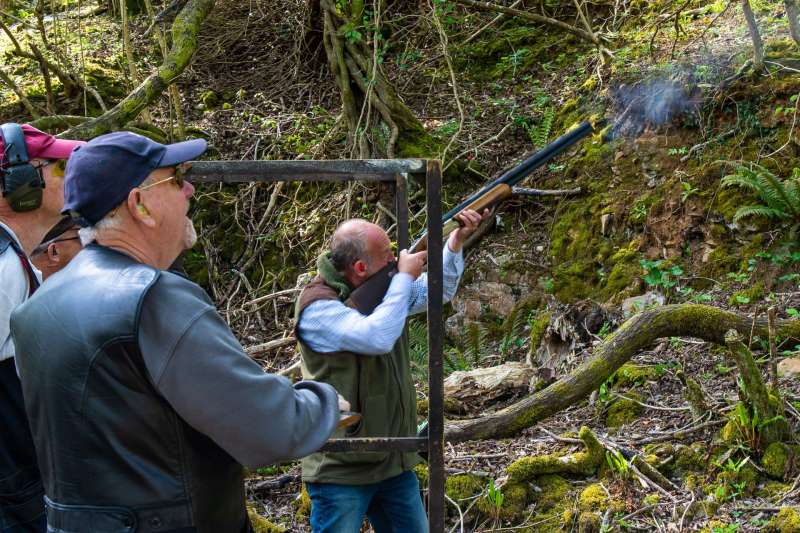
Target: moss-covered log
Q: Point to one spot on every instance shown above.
(686, 320)
(583, 463)
(185, 32)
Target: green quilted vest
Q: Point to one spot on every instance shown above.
(379, 387)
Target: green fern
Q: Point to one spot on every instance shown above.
(541, 132)
(781, 198)
(475, 343)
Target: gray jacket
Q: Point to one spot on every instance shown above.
(143, 405)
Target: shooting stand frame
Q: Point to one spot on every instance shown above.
(396, 172)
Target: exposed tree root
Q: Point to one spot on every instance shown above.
(687, 320)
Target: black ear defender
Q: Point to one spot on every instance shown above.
(22, 183)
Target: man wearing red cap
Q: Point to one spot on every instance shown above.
(31, 179)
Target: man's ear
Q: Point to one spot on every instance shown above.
(138, 210)
(53, 258)
(360, 267)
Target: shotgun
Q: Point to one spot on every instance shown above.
(370, 294)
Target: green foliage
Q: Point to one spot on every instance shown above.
(688, 191)
(747, 425)
(470, 356)
(547, 284)
(540, 133)
(659, 277)
(781, 198)
(495, 497)
(618, 464)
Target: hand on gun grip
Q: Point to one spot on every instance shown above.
(412, 264)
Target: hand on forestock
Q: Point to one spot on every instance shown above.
(470, 220)
(412, 264)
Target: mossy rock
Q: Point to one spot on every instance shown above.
(786, 521)
(593, 498)
(624, 411)
(210, 99)
(747, 296)
(463, 486)
(772, 490)
(554, 490)
(261, 524)
(690, 458)
(660, 456)
(651, 499)
(451, 406)
(778, 459)
(516, 497)
(589, 522)
(630, 375)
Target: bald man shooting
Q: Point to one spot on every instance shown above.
(365, 357)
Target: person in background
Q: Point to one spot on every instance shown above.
(31, 179)
(58, 248)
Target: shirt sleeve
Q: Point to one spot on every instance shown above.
(330, 326)
(13, 291)
(452, 268)
(200, 368)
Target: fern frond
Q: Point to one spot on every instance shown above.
(541, 132)
(778, 192)
(792, 187)
(759, 210)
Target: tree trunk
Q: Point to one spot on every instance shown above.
(685, 320)
(379, 123)
(185, 31)
(755, 36)
(792, 12)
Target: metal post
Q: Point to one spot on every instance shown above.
(435, 350)
(401, 210)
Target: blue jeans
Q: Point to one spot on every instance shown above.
(393, 506)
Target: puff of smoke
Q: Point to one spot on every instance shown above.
(650, 104)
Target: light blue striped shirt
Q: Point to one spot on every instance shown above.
(330, 326)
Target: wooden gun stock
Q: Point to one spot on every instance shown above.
(369, 294)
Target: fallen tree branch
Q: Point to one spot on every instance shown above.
(691, 320)
(488, 6)
(271, 345)
(185, 32)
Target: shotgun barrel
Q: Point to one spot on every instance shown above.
(368, 295)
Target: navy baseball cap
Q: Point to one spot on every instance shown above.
(101, 173)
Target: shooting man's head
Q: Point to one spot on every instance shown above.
(58, 248)
(128, 192)
(359, 249)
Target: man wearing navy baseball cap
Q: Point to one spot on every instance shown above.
(143, 406)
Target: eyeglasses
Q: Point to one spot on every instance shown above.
(180, 171)
(58, 170)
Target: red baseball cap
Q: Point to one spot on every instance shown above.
(43, 145)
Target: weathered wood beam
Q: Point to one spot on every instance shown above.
(309, 170)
